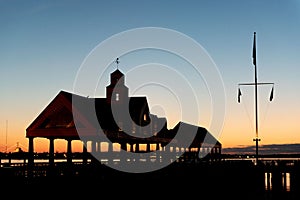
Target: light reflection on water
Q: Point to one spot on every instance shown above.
(285, 181)
(268, 181)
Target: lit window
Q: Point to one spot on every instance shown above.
(117, 97)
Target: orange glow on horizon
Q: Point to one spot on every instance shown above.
(278, 127)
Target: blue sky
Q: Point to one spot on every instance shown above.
(44, 43)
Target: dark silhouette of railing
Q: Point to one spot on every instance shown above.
(229, 174)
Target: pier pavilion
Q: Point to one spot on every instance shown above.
(72, 117)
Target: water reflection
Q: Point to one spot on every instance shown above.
(285, 181)
(268, 181)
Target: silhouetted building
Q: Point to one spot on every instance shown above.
(118, 118)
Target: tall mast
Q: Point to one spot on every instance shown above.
(256, 139)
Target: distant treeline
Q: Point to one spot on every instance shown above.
(272, 149)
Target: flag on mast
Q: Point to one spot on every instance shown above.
(254, 50)
(239, 95)
(271, 95)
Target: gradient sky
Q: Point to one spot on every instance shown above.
(44, 43)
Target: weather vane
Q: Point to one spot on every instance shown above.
(117, 61)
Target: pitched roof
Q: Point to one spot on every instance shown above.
(67, 110)
(69, 113)
(199, 135)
